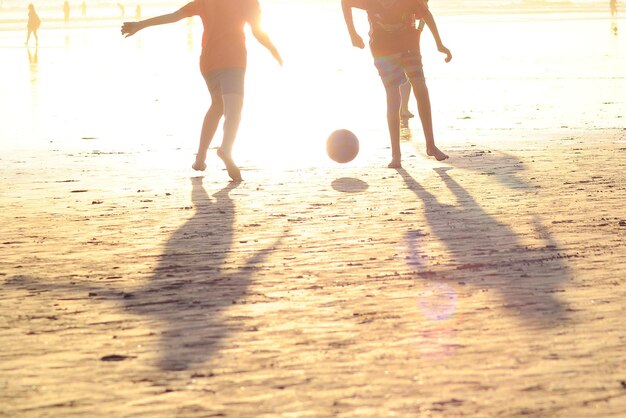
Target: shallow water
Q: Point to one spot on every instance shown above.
(90, 89)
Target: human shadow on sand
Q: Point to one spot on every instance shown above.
(486, 252)
(194, 282)
(505, 168)
(184, 300)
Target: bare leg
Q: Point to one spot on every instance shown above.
(233, 104)
(28, 37)
(209, 126)
(405, 92)
(423, 107)
(36, 37)
(393, 122)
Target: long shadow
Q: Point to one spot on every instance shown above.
(504, 167)
(491, 254)
(191, 287)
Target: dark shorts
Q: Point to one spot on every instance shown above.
(225, 81)
(396, 68)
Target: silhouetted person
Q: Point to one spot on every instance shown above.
(394, 43)
(83, 9)
(222, 63)
(66, 11)
(138, 12)
(33, 24)
(613, 6)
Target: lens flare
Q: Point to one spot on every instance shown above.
(438, 301)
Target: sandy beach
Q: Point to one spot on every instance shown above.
(488, 285)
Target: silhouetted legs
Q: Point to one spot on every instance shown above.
(405, 92)
(423, 107)
(393, 122)
(394, 105)
(394, 70)
(209, 126)
(226, 86)
(233, 104)
(229, 106)
(34, 32)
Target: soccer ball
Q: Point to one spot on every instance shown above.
(342, 146)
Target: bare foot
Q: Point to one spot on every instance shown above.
(396, 162)
(437, 153)
(407, 115)
(233, 170)
(199, 165)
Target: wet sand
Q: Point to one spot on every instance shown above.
(489, 286)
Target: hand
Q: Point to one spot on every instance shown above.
(357, 41)
(446, 51)
(130, 28)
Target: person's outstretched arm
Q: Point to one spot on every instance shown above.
(347, 6)
(430, 22)
(131, 28)
(263, 38)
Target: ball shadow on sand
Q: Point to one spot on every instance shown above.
(349, 185)
(492, 255)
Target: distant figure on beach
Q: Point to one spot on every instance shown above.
(223, 64)
(66, 11)
(138, 12)
(122, 9)
(394, 43)
(33, 24)
(613, 6)
(83, 9)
